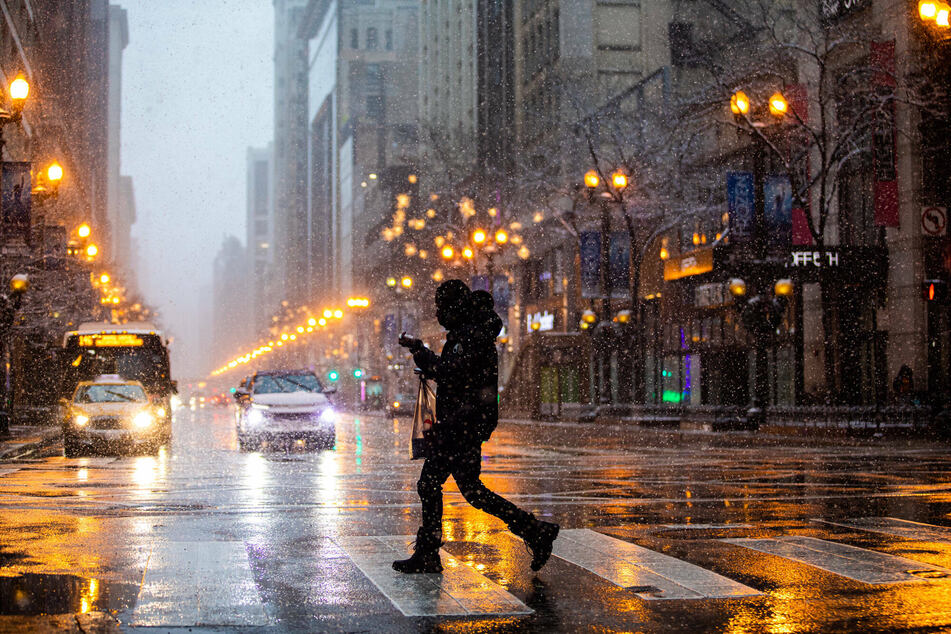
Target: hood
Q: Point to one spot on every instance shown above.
(291, 399)
(486, 324)
(110, 409)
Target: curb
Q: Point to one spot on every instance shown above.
(38, 438)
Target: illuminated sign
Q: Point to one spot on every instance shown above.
(546, 321)
(114, 340)
(694, 263)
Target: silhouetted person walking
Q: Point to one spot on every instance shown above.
(466, 374)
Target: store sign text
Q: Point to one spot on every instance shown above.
(817, 259)
(545, 320)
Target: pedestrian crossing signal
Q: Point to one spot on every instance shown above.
(934, 291)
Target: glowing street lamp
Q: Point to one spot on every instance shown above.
(447, 252)
(338, 314)
(468, 253)
(406, 282)
(54, 172)
(927, 10)
(619, 179)
(104, 278)
(19, 91)
(391, 282)
(84, 230)
(501, 237)
(739, 103)
(479, 236)
(591, 179)
(778, 105)
(92, 251)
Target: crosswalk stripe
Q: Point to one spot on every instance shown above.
(651, 575)
(189, 584)
(858, 564)
(897, 528)
(458, 591)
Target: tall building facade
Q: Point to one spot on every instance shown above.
(363, 125)
(260, 237)
(290, 152)
(230, 296)
(120, 204)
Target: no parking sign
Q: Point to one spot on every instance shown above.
(934, 221)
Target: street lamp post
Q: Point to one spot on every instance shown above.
(761, 315)
(9, 305)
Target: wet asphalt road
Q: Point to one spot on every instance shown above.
(757, 535)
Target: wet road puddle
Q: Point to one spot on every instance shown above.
(851, 562)
(33, 594)
(458, 591)
(647, 573)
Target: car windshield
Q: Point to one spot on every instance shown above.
(283, 383)
(111, 394)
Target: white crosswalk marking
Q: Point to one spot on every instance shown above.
(858, 564)
(458, 591)
(897, 528)
(198, 583)
(650, 574)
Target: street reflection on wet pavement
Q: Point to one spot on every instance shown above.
(662, 532)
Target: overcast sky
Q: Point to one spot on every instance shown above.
(197, 91)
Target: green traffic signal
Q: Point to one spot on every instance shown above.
(333, 375)
(357, 373)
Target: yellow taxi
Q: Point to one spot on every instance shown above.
(111, 413)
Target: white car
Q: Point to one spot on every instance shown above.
(284, 408)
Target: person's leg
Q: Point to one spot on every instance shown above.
(435, 472)
(425, 558)
(538, 535)
(466, 469)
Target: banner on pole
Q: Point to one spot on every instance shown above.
(16, 199)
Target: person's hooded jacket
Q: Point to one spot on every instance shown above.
(465, 370)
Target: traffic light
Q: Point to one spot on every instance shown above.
(357, 373)
(935, 291)
(333, 375)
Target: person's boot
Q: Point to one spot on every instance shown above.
(539, 536)
(425, 557)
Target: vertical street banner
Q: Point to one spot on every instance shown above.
(16, 199)
(777, 211)
(740, 204)
(501, 294)
(882, 59)
(389, 332)
(479, 283)
(619, 256)
(590, 247)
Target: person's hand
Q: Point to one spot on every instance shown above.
(410, 342)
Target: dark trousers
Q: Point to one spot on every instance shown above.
(464, 465)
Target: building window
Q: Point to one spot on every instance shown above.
(388, 39)
(372, 38)
(354, 39)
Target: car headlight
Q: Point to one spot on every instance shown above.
(80, 420)
(255, 416)
(328, 416)
(142, 420)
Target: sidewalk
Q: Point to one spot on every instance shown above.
(27, 439)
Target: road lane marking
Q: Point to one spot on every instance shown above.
(651, 575)
(458, 591)
(897, 528)
(851, 562)
(188, 584)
